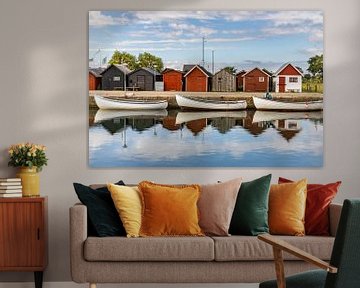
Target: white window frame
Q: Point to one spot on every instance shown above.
(116, 78)
(293, 80)
(261, 79)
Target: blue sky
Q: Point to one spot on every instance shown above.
(244, 39)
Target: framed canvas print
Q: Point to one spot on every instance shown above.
(205, 88)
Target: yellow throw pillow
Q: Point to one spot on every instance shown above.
(127, 201)
(169, 210)
(287, 204)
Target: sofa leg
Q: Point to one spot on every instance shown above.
(92, 285)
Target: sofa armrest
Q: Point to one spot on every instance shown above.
(78, 235)
(334, 217)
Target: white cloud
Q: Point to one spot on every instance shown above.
(98, 19)
(285, 30)
(316, 35)
(285, 18)
(149, 17)
(185, 29)
(312, 51)
(235, 16)
(277, 18)
(190, 40)
(234, 32)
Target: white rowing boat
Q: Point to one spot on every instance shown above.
(263, 116)
(207, 104)
(267, 104)
(102, 115)
(129, 104)
(183, 117)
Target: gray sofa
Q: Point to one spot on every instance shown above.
(234, 259)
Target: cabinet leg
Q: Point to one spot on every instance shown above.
(38, 279)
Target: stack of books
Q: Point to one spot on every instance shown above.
(10, 187)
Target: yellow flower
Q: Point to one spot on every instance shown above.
(11, 151)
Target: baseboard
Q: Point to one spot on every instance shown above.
(74, 285)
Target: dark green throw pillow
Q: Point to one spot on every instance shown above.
(250, 216)
(103, 218)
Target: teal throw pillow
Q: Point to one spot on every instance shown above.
(250, 216)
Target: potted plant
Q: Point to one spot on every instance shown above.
(30, 158)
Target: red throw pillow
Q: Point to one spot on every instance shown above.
(319, 197)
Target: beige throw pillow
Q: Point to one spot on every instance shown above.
(216, 206)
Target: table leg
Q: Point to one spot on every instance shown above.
(38, 279)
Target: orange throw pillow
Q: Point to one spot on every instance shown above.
(169, 210)
(318, 200)
(287, 204)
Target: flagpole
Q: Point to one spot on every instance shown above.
(203, 52)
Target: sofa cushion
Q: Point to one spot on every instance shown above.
(102, 215)
(245, 248)
(127, 201)
(149, 249)
(216, 206)
(250, 215)
(169, 210)
(287, 204)
(318, 199)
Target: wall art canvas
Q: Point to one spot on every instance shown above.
(205, 88)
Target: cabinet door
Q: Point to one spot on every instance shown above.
(21, 234)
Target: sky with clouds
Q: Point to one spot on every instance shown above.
(244, 39)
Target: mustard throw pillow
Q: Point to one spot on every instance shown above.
(287, 204)
(127, 201)
(169, 210)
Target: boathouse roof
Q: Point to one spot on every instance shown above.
(187, 68)
(120, 67)
(286, 65)
(96, 71)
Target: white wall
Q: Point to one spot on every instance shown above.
(43, 64)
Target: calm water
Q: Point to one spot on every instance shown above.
(205, 139)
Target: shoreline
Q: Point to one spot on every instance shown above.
(170, 96)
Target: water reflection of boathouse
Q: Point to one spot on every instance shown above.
(117, 125)
(196, 126)
(223, 125)
(169, 123)
(288, 128)
(114, 126)
(254, 128)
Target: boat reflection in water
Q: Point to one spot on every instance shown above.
(102, 115)
(247, 138)
(286, 123)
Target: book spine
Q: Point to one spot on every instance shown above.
(10, 183)
(10, 187)
(10, 180)
(10, 191)
(10, 195)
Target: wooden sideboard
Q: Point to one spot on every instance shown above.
(23, 235)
